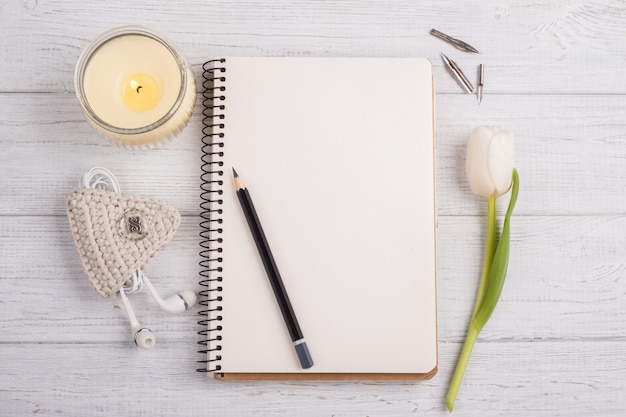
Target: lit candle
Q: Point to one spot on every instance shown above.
(134, 86)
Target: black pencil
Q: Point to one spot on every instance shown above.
(272, 273)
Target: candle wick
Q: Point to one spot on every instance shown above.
(135, 86)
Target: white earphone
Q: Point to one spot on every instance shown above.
(143, 337)
(177, 303)
(102, 178)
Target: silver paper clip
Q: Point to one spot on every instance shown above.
(458, 44)
(458, 74)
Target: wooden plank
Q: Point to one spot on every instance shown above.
(570, 154)
(537, 47)
(561, 285)
(511, 378)
(42, 264)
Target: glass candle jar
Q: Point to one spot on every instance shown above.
(134, 87)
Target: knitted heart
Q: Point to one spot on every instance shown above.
(116, 234)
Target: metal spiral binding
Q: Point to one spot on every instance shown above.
(210, 213)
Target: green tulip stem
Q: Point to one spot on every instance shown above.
(492, 281)
(472, 332)
(459, 371)
(490, 249)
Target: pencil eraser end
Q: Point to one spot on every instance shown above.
(304, 355)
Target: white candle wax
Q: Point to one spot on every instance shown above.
(134, 87)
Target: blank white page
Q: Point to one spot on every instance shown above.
(338, 156)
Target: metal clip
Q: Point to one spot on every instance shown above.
(481, 79)
(458, 74)
(458, 44)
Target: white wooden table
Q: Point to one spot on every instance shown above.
(556, 344)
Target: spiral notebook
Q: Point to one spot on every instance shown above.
(338, 156)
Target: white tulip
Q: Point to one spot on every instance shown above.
(490, 161)
(490, 168)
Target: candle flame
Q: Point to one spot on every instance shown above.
(134, 85)
(140, 92)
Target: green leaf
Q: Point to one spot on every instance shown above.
(499, 266)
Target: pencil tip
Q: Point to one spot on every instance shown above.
(235, 173)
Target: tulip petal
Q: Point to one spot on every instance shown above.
(476, 163)
(501, 161)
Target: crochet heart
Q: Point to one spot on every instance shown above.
(116, 234)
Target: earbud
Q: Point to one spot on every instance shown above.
(176, 303)
(143, 337)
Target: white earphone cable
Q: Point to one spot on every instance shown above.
(100, 178)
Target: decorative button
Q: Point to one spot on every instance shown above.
(135, 225)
